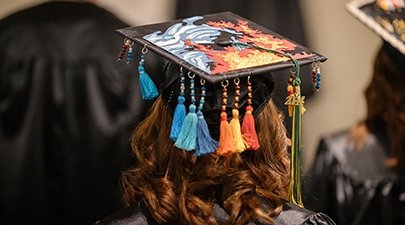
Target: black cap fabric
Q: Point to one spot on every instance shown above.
(207, 46)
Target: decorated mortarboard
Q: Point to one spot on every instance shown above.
(222, 50)
(385, 17)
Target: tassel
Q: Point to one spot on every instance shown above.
(179, 112)
(295, 102)
(235, 124)
(249, 130)
(205, 143)
(248, 124)
(226, 142)
(295, 165)
(178, 118)
(187, 138)
(236, 131)
(148, 88)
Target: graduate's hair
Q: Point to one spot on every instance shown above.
(385, 98)
(179, 188)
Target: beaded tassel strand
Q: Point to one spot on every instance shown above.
(316, 75)
(248, 125)
(148, 88)
(205, 143)
(180, 111)
(124, 48)
(226, 143)
(234, 123)
(130, 54)
(295, 107)
(187, 138)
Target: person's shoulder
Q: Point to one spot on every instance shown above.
(294, 215)
(335, 142)
(131, 215)
(362, 162)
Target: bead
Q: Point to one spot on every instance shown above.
(181, 99)
(290, 88)
(122, 52)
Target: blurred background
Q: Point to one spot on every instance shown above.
(325, 27)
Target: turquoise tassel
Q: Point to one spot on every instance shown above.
(205, 143)
(187, 138)
(178, 118)
(148, 88)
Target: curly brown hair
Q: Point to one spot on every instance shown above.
(385, 97)
(178, 187)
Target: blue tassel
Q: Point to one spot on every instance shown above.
(205, 143)
(178, 118)
(148, 88)
(187, 138)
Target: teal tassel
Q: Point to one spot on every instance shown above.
(187, 138)
(205, 143)
(178, 118)
(148, 88)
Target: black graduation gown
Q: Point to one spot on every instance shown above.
(291, 215)
(355, 187)
(66, 112)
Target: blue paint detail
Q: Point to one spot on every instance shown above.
(172, 40)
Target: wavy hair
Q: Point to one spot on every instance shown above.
(178, 187)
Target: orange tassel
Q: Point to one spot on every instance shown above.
(249, 130)
(236, 132)
(226, 142)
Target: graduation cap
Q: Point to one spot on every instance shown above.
(219, 69)
(384, 17)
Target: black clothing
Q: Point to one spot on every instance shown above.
(354, 187)
(66, 112)
(291, 215)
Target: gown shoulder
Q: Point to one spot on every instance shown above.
(291, 215)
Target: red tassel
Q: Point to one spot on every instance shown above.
(249, 130)
(248, 124)
(226, 144)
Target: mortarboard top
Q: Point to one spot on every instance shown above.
(201, 44)
(223, 48)
(384, 17)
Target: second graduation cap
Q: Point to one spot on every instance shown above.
(219, 79)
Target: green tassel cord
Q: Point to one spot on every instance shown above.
(295, 103)
(295, 165)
